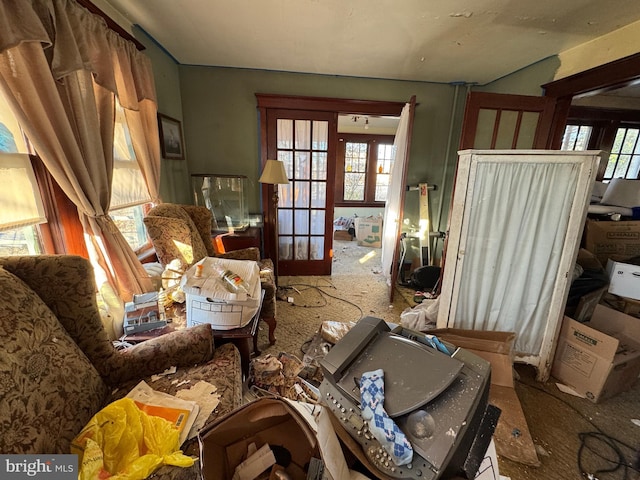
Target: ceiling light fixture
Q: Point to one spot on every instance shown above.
(366, 124)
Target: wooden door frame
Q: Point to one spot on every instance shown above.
(267, 101)
(602, 78)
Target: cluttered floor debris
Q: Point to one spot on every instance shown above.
(570, 434)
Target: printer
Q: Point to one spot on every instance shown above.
(436, 393)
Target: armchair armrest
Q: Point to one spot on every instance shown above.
(251, 253)
(180, 348)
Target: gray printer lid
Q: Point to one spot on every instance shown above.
(414, 374)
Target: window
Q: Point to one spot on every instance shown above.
(624, 159)
(576, 137)
(129, 194)
(386, 155)
(364, 170)
(355, 170)
(614, 131)
(21, 207)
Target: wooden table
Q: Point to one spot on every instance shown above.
(240, 337)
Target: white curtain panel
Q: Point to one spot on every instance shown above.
(516, 230)
(392, 206)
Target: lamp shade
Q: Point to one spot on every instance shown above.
(274, 173)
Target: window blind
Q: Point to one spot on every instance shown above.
(128, 185)
(19, 208)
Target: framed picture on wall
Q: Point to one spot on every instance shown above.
(171, 140)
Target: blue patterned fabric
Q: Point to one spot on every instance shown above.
(381, 425)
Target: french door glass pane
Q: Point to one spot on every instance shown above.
(285, 195)
(320, 135)
(317, 222)
(301, 225)
(302, 166)
(317, 248)
(302, 248)
(285, 221)
(318, 194)
(319, 166)
(285, 250)
(302, 194)
(285, 133)
(287, 159)
(303, 135)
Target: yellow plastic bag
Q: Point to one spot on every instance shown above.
(122, 442)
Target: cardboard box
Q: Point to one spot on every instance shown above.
(342, 235)
(271, 421)
(607, 239)
(369, 231)
(600, 358)
(624, 279)
(209, 300)
(497, 349)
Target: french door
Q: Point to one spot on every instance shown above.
(305, 142)
(498, 121)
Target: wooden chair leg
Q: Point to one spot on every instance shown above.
(271, 321)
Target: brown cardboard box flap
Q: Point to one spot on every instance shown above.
(494, 347)
(497, 349)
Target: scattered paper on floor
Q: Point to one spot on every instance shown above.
(208, 399)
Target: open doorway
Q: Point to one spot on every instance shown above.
(299, 231)
(364, 159)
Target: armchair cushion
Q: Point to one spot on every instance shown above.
(173, 238)
(48, 387)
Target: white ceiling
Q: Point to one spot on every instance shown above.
(474, 41)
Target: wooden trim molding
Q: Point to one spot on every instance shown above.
(598, 79)
(339, 105)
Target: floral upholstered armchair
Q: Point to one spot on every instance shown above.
(58, 368)
(181, 236)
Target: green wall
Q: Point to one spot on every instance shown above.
(217, 106)
(221, 119)
(526, 81)
(174, 174)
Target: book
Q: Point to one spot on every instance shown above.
(181, 413)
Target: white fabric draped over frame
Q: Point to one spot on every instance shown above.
(511, 202)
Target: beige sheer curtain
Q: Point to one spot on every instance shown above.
(60, 68)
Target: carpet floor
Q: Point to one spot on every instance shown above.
(557, 421)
